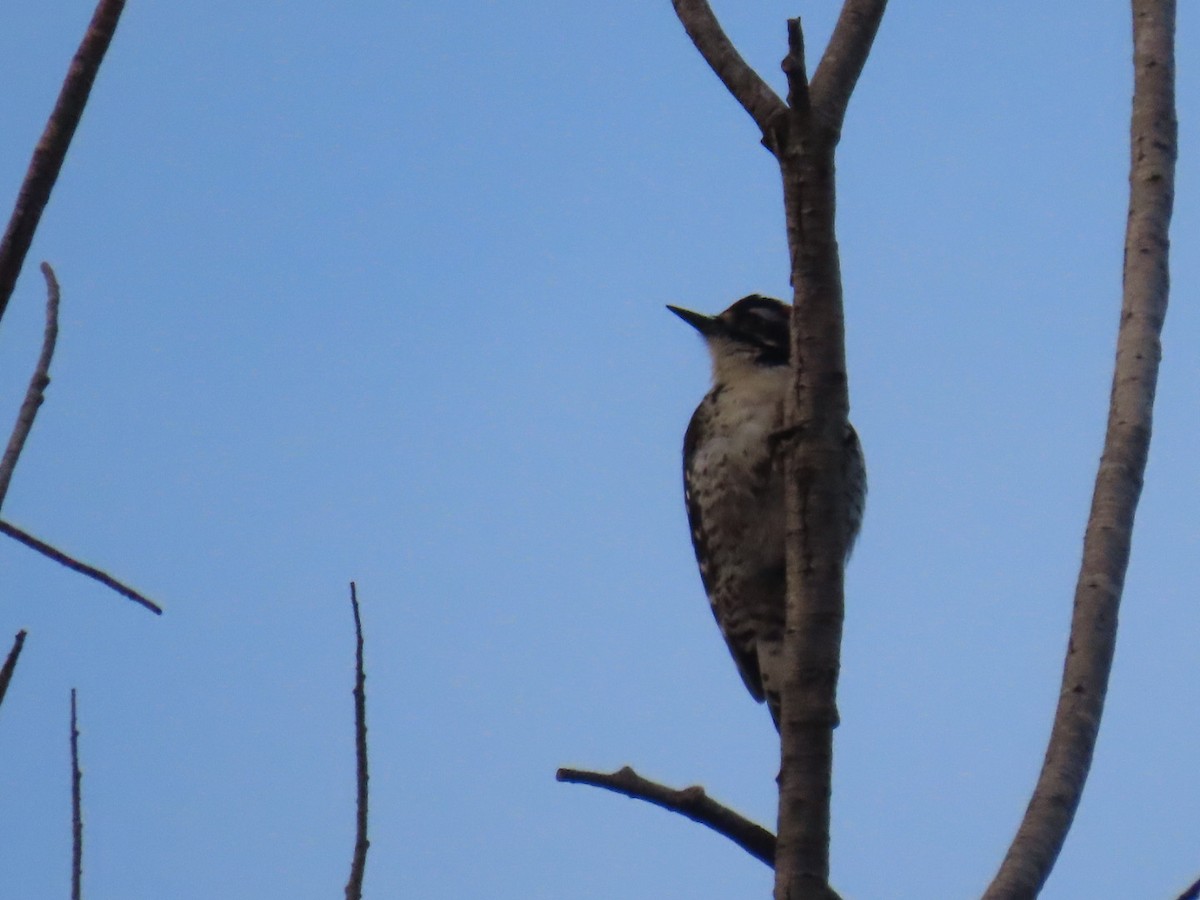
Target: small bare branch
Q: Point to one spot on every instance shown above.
(51, 150)
(10, 663)
(796, 69)
(844, 58)
(691, 802)
(36, 392)
(361, 843)
(75, 565)
(1107, 541)
(76, 807)
(746, 85)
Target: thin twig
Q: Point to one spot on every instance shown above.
(844, 58)
(361, 843)
(1106, 545)
(10, 663)
(35, 393)
(51, 149)
(691, 802)
(75, 565)
(746, 85)
(76, 807)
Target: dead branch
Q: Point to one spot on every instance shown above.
(76, 807)
(51, 149)
(35, 394)
(75, 565)
(1106, 545)
(746, 85)
(10, 663)
(361, 843)
(691, 802)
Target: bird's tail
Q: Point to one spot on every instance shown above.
(770, 667)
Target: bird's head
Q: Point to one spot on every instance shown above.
(751, 334)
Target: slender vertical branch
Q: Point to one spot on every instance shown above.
(76, 807)
(815, 415)
(51, 149)
(361, 843)
(10, 663)
(36, 392)
(1106, 546)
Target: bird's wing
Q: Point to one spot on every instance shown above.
(744, 655)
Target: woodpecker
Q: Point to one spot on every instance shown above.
(733, 484)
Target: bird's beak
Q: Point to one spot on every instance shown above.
(706, 325)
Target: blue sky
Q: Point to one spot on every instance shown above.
(375, 291)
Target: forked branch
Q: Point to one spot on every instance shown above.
(803, 135)
(35, 394)
(691, 802)
(1106, 545)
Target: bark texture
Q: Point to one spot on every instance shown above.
(1119, 480)
(816, 422)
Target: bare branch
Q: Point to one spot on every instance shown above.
(75, 565)
(359, 863)
(691, 802)
(746, 85)
(36, 392)
(10, 663)
(844, 58)
(1106, 546)
(796, 69)
(76, 807)
(815, 419)
(51, 149)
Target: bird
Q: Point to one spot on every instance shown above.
(733, 484)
